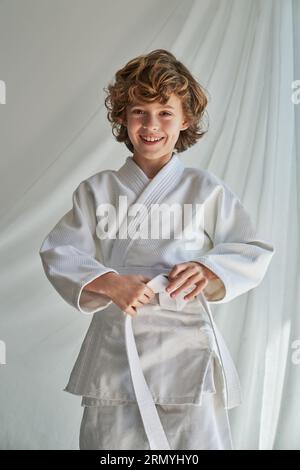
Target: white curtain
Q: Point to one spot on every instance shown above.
(56, 57)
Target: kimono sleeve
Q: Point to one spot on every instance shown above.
(68, 254)
(239, 257)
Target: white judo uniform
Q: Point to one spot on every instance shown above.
(163, 379)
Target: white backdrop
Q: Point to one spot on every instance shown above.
(55, 58)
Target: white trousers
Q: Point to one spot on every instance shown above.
(187, 426)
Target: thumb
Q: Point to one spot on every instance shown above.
(144, 279)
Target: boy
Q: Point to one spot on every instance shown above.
(159, 376)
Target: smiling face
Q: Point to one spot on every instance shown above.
(155, 120)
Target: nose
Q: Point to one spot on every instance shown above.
(150, 122)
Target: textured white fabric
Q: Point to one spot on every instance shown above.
(188, 427)
(54, 133)
(74, 252)
(155, 433)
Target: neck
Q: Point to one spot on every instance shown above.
(151, 166)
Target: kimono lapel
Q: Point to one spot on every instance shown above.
(149, 191)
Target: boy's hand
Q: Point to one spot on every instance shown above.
(127, 292)
(185, 275)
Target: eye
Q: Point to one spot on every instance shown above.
(163, 112)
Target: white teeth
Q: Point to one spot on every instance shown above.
(150, 139)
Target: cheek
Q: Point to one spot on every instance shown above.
(173, 131)
(133, 126)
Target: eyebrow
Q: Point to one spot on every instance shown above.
(162, 106)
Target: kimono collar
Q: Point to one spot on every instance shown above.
(137, 179)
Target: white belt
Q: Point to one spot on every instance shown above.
(152, 424)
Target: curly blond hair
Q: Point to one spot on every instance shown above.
(155, 76)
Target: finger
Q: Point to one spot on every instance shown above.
(137, 303)
(149, 292)
(177, 269)
(190, 272)
(200, 286)
(145, 299)
(144, 279)
(208, 273)
(189, 282)
(176, 284)
(130, 311)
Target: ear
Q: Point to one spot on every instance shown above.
(122, 121)
(185, 125)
